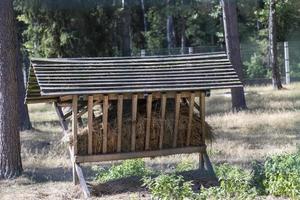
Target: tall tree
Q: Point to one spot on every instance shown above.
(273, 46)
(10, 158)
(170, 26)
(126, 23)
(233, 50)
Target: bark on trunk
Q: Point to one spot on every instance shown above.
(183, 36)
(10, 159)
(170, 28)
(144, 22)
(273, 46)
(233, 50)
(126, 22)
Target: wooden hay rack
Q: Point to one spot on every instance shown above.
(123, 83)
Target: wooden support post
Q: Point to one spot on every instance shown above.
(119, 121)
(82, 181)
(162, 120)
(61, 117)
(209, 168)
(104, 120)
(149, 110)
(90, 124)
(176, 122)
(191, 113)
(202, 116)
(201, 162)
(74, 131)
(133, 125)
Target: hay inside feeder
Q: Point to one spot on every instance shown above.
(195, 139)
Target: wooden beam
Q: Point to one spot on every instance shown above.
(140, 154)
(191, 113)
(119, 116)
(74, 122)
(60, 115)
(155, 95)
(105, 125)
(82, 181)
(74, 131)
(148, 123)
(134, 121)
(176, 121)
(202, 116)
(162, 120)
(90, 124)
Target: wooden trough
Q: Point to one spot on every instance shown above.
(120, 85)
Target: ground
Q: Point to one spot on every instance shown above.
(270, 126)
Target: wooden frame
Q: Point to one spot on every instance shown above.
(204, 162)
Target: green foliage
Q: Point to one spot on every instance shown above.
(167, 187)
(184, 166)
(255, 67)
(127, 168)
(235, 183)
(282, 175)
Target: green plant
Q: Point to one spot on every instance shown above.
(167, 187)
(125, 169)
(235, 183)
(184, 166)
(282, 175)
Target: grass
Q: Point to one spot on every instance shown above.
(270, 126)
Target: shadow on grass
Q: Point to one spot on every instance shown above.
(135, 184)
(58, 174)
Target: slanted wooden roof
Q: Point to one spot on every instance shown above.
(54, 77)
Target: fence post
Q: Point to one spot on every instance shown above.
(287, 63)
(143, 52)
(191, 50)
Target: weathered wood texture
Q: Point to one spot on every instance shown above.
(140, 154)
(51, 78)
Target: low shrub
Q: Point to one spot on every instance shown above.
(184, 166)
(235, 183)
(127, 168)
(169, 187)
(282, 175)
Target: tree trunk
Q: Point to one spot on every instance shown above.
(233, 50)
(183, 36)
(126, 23)
(24, 120)
(144, 23)
(10, 158)
(170, 28)
(273, 46)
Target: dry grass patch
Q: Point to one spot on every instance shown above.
(270, 126)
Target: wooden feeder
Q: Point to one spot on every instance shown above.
(120, 84)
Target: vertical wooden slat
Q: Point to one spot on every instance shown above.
(90, 124)
(133, 125)
(191, 113)
(149, 110)
(74, 122)
(163, 116)
(202, 115)
(105, 116)
(176, 122)
(74, 131)
(119, 116)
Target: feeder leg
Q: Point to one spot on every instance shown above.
(201, 162)
(75, 177)
(208, 166)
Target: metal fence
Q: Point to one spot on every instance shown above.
(288, 58)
